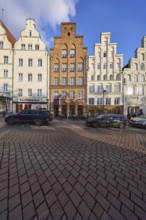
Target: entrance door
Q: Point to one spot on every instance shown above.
(72, 110)
(64, 109)
(80, 110)
(56, 110)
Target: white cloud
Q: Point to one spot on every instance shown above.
(47, 13)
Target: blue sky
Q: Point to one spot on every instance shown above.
(125, 19)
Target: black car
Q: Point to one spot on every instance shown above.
(108, 120)
(31, 116)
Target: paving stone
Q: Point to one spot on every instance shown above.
(84, 211)
(56, 211)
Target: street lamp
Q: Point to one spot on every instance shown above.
(103, 99)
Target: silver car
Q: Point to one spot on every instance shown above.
(138, 122)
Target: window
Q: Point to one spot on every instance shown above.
(64, 94)
(105, 77)
(140, 90)
(30, 33)
(104, 66)
(37, 47)
(29, 46)
(72, 81)
(98, 77)
(55, 94)
(64, 53)
(134, 78)
(6, 59)
(80, 94)
(117, 88)
(92, 77)
(117, 101)
(91, 89)
(5, 87)
(29, 76)
(72, 94)
(20, 77)
(39, 77)
(56, 67)
(29, 92)
(142, 78)
(5, 73)
(130, 90)
(142, 66)
(104, 54)
(64, 80)
(108, 101)
(91, 101)
(72, 67)
(56, 81)
(1, 44)
(22, 46)
(98, 66)
(80, 81)
(64, 67)
(80, 67)
(29, 62)
(99, 101)
(20, 62)
(20, 92)
(108, 88)
(111, 65)
(118, 77)
(39, 92)
(99, 88)
(39, 62)
(111, 77)
(72, 53)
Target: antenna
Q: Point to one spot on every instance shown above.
(2, 14)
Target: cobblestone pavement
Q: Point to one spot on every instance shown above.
(67, 171)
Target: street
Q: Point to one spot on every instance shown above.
(68, 171)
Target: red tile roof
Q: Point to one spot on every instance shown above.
(11, 38)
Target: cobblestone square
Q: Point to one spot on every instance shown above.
(66, 171)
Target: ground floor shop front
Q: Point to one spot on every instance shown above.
(68, 108)
(95, 110)
(18, 107)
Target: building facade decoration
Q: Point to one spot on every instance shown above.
(31, 70)
(7, 41)
(105, 78)
(68, 77)
(135, 81)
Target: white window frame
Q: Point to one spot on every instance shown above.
(29, 92)
(5, 74)
(30, 77)
(72, 81)
(80, 80)
(39, 77)
(80, 94)
(39, 92)
(20, 76)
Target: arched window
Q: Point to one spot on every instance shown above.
(142, 66)
(135, 66)
(134, 78)
(129, 78)
(142, 56)
(141, 78)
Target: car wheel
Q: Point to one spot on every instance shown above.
(38, 122)
(10, 121)
(96, 125)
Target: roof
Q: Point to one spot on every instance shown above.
(10, 36)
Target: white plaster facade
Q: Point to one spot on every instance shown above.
(105, 73)
(6, 68)
(135, 81)
(31, 70)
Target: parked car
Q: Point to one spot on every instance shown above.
(108, 120)
(138, 122)
(31, 116)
